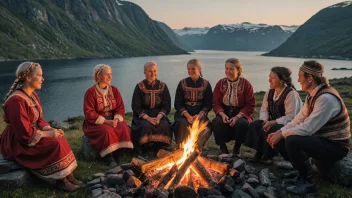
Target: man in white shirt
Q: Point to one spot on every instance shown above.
(321, 130)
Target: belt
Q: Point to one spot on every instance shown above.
(193, 103)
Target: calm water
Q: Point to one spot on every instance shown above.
(67, 80)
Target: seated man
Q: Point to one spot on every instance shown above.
(321, 130)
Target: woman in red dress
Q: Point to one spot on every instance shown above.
(104, 112)
(233, 104)
(28, 139)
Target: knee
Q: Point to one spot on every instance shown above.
(291, 142)
(217, 121)
(242, 123)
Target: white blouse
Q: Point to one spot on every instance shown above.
(293, 104)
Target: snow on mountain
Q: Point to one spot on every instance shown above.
(231, 28)
(342, 4)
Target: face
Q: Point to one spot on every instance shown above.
(274, 81)
(306, 83)
(231, 71)
(105, 76)
(151, 73)
(193, 71)
(36, 79)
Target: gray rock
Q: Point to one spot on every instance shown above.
(15, 178)
(112, 190)
(249, 169)
(341, 171)
(95, 186)
(252, 181)
(213, 191)
(248, 188)
(59, 125)
(96, 192)
(264, 177)
(271, 192)
(96, 175)
(88, 152)
(260, 190)
(93, 182)
(109, 195)
(284, 165)
(162, 193)
(215, 196)
(239, 165)
(115, 170)
(253, 176)
(115, 179)
(8, 166)
(184, 191)
(272, 177)
(240, 194)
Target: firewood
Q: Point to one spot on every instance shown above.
(202, 139)
(214, 165)
(160, 162)
(181, 172)
(203, 173)
(168, 177)
(137, 162)
(162, 153)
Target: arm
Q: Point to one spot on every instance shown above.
(166, 103)
(264, 114)
(217, 99)
(137, 103)
(293, 104)
(119, 111)
(90, 114)
(249, 102)
(326, 107)
(41, 122)
(208, 98)
(179, 100)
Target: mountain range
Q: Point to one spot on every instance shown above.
(244, 37)
(43, 29)
(327, 34)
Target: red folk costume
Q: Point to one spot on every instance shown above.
(21, 141)
(238, 94)
(101, 104)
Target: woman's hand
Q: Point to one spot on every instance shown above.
(224, 117)
(55, 133)
(274, 138)
(111, 123)
(189, 118)
(151, 120)
(267, 125)
(158, 118)
(233, 121)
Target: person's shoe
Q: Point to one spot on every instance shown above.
(74, 181)
(236, 151)
(223, 149)
(303, 186)
(256, 158)
(65, 185)
(108, 160)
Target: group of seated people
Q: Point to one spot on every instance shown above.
(319, 129)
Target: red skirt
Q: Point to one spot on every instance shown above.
(50, 158)
(106, 139)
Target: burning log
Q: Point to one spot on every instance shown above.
(214, 165)
(190, 178)
(167, 177)
(157, 163)
(203, 173)
(137, 162)
(203, 138)
(181, 172)
(162, 153)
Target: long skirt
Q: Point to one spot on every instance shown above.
(256, 138)
(106, 139)
(50, 158)
(223, 132)
(144, 132)
(181, 131)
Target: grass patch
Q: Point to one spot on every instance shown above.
(86, 169)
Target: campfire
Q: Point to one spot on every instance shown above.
(183, 169)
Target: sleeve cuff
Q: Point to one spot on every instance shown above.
(119, 117)
(287, 133)
(183, 112)
(141, 115)
(46, 128)
(162, 113)
(220, 110)
(36, 138)
(100, 120)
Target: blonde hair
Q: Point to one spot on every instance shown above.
(197, 63)
(149, 63)
(236, 63)
(97, 71)
(23, 70)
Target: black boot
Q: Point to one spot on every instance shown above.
(117, 155)
(223, 149)
(256, 158)
(109, 160)
(305, 183)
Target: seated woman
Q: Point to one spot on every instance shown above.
(280, 105)
(151, 103)
(28, 139)
(193, 100)
(104, 111)
(233, 104)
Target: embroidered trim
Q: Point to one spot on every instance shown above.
(155, 138)
(152, 93)
(194, 94)
(119, 117)
(36, 138)
(100, 120)
(105, 99)
(57, 166)
(113, 147)
(275, 106)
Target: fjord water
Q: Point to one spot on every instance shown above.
(66, 81)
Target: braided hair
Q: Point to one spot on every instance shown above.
(284, 74)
